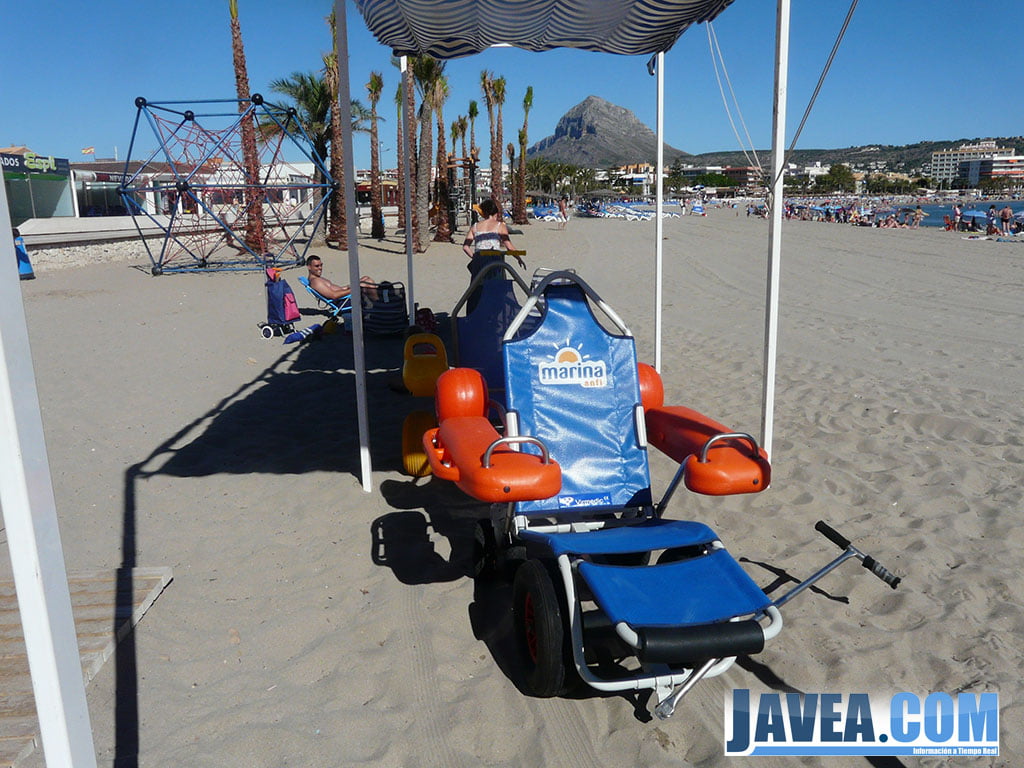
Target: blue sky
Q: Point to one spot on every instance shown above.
(907, 71)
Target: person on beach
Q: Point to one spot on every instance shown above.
(990, 221)
(563, 212)
(488, 234)
(919, 215)
(329, 290)
(1005, 214)
(957, 216)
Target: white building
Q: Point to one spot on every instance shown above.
(946, 162)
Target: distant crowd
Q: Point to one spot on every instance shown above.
(994, 221)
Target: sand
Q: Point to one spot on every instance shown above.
(311, 624)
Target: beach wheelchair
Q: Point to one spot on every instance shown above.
(604, 588)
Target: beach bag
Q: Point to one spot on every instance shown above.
(281, 305)
(291, 307)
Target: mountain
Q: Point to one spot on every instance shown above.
(598, 134)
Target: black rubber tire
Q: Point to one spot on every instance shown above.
(539, 629)
(485, 552)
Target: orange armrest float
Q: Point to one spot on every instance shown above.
(716, 461)
(468, 451)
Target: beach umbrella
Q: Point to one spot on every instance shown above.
(973, 215)
(1018, 216)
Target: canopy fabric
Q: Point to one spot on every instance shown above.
(455, 28)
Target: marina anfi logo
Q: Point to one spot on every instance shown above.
(570, 365)
(965, 724)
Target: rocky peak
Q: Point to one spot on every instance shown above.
(597, 134)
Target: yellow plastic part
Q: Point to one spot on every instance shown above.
(414, 457)
(425, 360)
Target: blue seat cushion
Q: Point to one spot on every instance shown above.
(642, 537)
(702, 590)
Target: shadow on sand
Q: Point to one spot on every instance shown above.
(309, 393)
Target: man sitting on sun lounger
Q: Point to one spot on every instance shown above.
(329, 290)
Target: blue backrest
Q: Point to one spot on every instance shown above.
(480, 331)
(575, 386)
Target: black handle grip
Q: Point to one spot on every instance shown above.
(882, 572)
(832, 534)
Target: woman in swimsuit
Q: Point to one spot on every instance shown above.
(488, 234)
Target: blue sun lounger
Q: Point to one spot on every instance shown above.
(336, 308)
(599, 575)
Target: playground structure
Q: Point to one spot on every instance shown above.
(195, 187)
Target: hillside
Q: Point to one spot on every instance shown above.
(906, 158)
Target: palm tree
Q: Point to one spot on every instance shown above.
(474, 112)
(337, 229)
(510, 150)
(474, 156)
(427, 70)
(313, 102)
(487, 87)
(255, 237)
(402, 158)
(463, 127)
(373, 90)
(413, 157)
(535, 170)
(456, 133)
(519, 194)
(439, 94)
(497, 191)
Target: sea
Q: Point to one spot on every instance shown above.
(937, 211)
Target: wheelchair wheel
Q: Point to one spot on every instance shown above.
(414, 458)
(540, 630)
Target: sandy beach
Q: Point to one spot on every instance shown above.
(312, 624)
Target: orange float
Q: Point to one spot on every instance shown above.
(467, 450)
(716, 461)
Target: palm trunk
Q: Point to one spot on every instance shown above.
(423, 168)
(337, 230)
(414, 175)
(255, 236)
(444, 230)
(402, 160)
(376, 214)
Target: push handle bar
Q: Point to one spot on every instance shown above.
(545, 457)
(869, 562)
(831, 534)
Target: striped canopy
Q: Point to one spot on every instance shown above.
(448, 29)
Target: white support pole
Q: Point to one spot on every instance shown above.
(33, 536)
(771, 331)
(348, 187)
(659, 226)
(407, 174)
